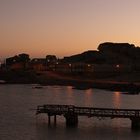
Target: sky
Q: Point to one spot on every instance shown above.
(65, 27)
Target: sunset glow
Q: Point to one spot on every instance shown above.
(65, 27)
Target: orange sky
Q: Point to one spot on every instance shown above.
(65, 27)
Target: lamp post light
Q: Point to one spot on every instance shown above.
(70, 66)
(56, 65)
(88, 65)
(117, 66)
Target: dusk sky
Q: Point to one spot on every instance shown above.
(66, 27)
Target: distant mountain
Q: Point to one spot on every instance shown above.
(90, 56)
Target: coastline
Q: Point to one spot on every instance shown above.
(81, 82)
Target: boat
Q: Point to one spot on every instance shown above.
(2, 82)
(81, 87)
(131, 92)
(38, 87)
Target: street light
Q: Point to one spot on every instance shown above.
(117, 66)
(70, 67)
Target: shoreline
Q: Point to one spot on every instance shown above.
(52, 78)
(86, 84)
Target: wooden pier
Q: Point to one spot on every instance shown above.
(71, 113)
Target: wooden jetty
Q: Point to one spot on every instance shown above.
(71, 113)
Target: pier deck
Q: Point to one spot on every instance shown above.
(71, 113)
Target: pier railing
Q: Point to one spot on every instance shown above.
(88, 111)
(71, 112)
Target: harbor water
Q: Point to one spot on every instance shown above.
(19, 122)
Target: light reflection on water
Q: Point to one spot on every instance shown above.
(117, 99)
(18, 122)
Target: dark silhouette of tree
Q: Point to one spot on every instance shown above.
(116, 47)
(23, 57)
(118, 52)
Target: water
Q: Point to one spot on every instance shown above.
(18, 122)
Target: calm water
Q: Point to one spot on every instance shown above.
(18, 122)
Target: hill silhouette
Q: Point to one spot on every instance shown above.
(90, 56)
(108, 53)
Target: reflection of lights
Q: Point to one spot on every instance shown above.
(117, 99)
(88, 97)
(89, 92)
(117, 93)
(117, 66)
(69, 87)
(70, 96)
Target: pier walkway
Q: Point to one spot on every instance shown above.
(71, 113)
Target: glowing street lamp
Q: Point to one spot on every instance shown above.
(117, 66)
(70, 67)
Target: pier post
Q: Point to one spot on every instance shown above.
(49, 119)
(54, 119)
(71, 119)
(135, 123)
